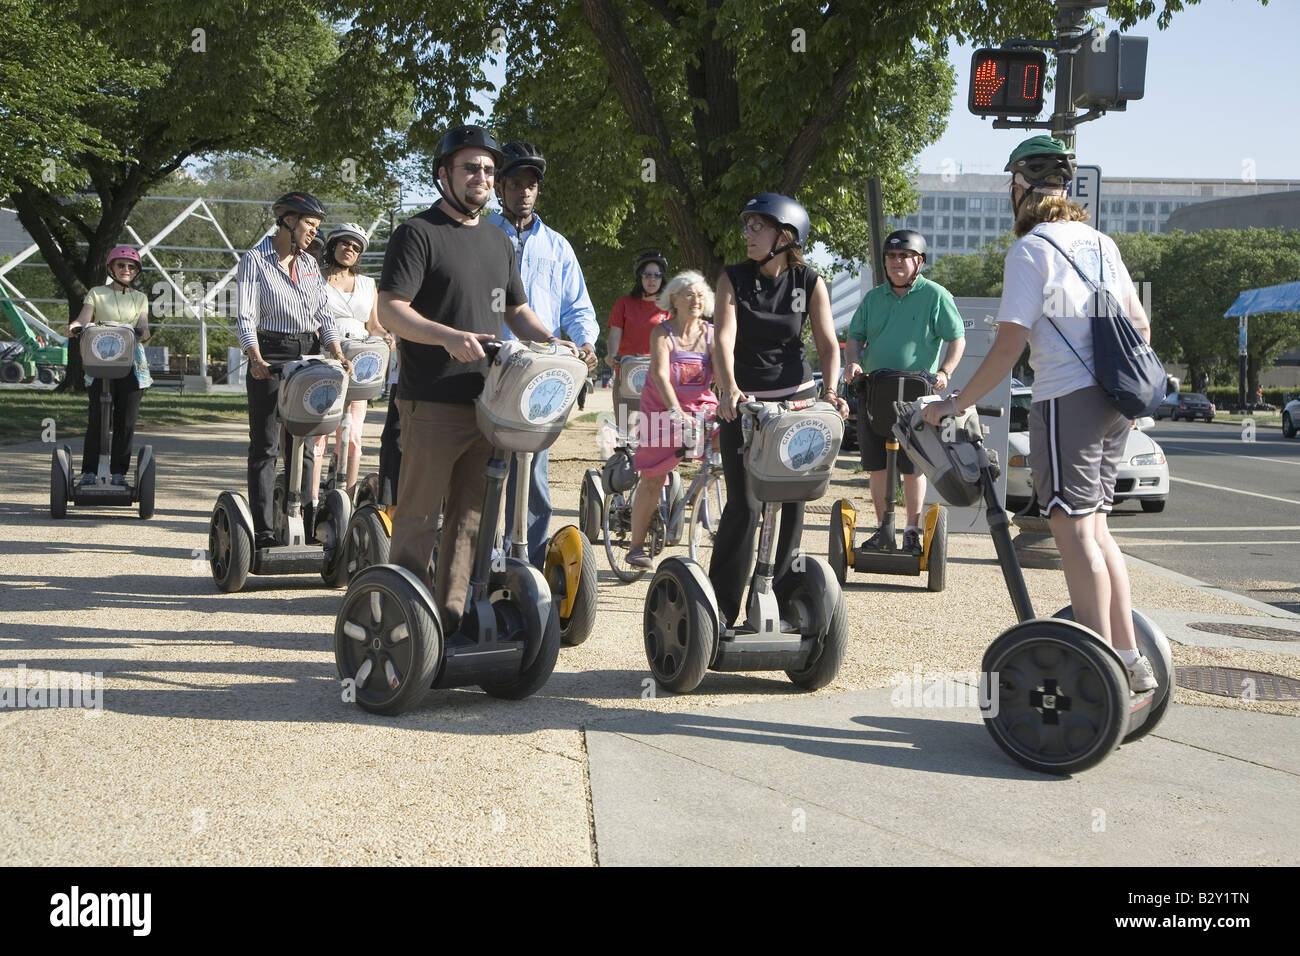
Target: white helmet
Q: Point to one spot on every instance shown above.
(349, 230)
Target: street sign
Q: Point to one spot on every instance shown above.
(1085, 189)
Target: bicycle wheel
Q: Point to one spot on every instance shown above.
(706, 515)
(616, 523)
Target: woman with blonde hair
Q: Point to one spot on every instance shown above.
(676, 392)
(1076, 437)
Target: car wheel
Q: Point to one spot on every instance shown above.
(1153, 505)
(1288, 426)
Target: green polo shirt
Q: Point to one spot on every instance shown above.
(906, 332)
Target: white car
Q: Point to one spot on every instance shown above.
(1291, 418)
(1143, 474)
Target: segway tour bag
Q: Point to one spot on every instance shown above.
(952, 467)
(887, 386)
(632, 372)
(108, 351)
(527, 394)
(792, 451)
(369, 358)
(312, 396)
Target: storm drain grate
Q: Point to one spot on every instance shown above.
(1237, 682)
(1257, 632)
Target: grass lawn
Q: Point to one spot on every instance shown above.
(24, 411)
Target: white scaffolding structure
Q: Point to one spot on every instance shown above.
(204, 308)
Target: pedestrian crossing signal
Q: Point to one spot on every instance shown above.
(1007, 82)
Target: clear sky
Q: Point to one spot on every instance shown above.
(1221, 86)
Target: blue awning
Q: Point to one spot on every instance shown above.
(1273, 298)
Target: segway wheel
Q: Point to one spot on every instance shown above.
(706, 516)
(144, 481)
(841, 542)
(516, 622)
(936, 549)
(802, 603)
(230, 551)
(589, 510)
(331, 532)
(366, 540)
(1154, 646)
(386, 641)
(570, 547)
(60, 476)
(1061, 699)
(679, 632)
(674, 492)
(617, 525)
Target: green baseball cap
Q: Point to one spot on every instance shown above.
(1038, 146)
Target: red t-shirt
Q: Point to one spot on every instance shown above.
(636, 317)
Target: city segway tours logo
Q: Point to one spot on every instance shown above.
(321, 398)
(367, 368)
(805, 444)
(108, 346)
(547, 396)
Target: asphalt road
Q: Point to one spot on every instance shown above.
(1233, 515)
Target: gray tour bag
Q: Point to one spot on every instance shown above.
(527, 393)
(792, 452)
(108, 351)
(312, 397)
(952, 466)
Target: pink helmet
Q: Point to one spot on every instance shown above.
(124, 252)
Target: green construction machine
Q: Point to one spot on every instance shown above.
(39, 353)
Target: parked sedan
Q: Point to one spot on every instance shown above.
(1291, 418)
(1143, 472)
(1188, 405)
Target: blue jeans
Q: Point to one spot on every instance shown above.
(539, 507)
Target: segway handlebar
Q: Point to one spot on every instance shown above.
(990, 411)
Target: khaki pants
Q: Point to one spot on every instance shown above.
(443, 457)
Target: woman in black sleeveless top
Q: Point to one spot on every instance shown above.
(762, 305)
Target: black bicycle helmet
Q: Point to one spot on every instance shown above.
(645, 259)
(303, 204)
(521, 155)
(462, 137)
(784, 210)
(906, 240)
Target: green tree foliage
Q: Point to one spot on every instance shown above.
(186, 79)
(1199, 276)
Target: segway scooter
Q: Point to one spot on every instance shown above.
(801, 625)
(368, 528)
(389, 639)
(311, 401)
(107, 352)
(569, 567)
(1062, 701)
(877, 395)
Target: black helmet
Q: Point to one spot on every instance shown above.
(905, 240)
(520, 155)
(645, 259)
(304, 204)
(784, 210)
(464, 136)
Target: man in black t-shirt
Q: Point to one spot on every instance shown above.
(449, 281)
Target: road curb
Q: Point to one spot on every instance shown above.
(1260, 607)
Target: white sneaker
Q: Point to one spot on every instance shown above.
(1141, 678)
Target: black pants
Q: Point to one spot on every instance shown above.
(390, 453)
(126, 394)
(734, 552)
(264, 440)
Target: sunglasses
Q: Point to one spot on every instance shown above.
(652, 275)
(754, 225)
(349, 244)
(473, 169)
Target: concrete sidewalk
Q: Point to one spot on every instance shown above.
(223, 736)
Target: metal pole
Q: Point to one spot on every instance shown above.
(1071, 23)
(1242, 358)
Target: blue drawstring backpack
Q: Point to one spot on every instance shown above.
(1126, 367)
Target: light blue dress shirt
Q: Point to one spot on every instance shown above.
(553, 280)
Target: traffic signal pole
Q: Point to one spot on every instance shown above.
(1071, 25)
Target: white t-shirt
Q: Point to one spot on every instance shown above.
(351, 310)
(1038, 281)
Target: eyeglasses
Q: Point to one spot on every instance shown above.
(474, 169)
(900, 256)
(652, 275)
(126, 264)
(693, 294)
(754, 225)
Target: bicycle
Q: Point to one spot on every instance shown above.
(706, 497)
